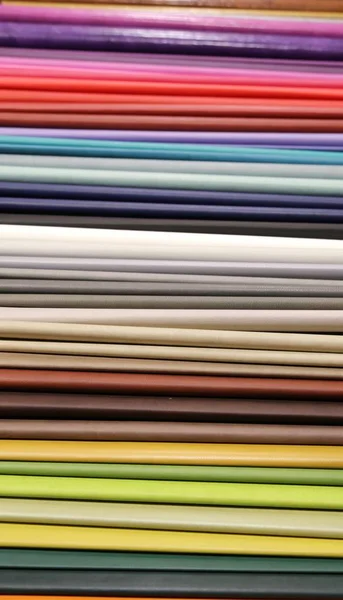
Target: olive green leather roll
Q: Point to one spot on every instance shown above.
(175, 472)
(297, 523)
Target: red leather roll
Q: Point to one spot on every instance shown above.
(157, 123)
(244, 108)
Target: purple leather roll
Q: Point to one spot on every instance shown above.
(319, 66)
(158, 210)
(256, 139)
(167, 196)
(78, 37)
(119, 18)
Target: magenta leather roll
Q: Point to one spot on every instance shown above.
(169, 41)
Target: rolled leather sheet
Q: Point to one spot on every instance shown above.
(176, 472)
(288, 229)
(138, 301)
(252, 455)
(173, 585)
(181, 385)
(176, 492)
(175, 109)
(233, 287)
(266, 139)
(302, 523)
(78, 37)
(13, 535)
(206, 181)
(103, 265)
(158, 150)
(154, 408)
(289, 5)
(26, 360)
(306, 321)
(113, 209)
(151, 431)
(64, 241)
(177, 353)
(157, 336)
(130, 561)
(14, 145)
(268, 169)
(221, 182)
(99, 16)
(183, 123)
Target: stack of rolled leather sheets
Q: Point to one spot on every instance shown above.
(171, 299)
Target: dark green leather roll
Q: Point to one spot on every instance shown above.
(128, 561)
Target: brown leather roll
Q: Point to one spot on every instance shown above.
(159, 431)
(179, 385)
(88, 406)
(165, 123)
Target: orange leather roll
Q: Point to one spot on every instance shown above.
(157, 123)
(179, 385)
(243, 108)
(15, 98)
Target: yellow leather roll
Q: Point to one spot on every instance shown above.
(174, 453)
(102, 538)
(202, 11)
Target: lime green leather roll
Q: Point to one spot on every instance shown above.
(256, 521)
(173, 492)
(175, 472)
(14, 535)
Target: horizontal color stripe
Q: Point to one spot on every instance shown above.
(169, 453)
(98, 538)
(302, 523)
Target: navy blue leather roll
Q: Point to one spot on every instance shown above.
(180, 211)
(167, 196)
(172, 584)
(77, 37)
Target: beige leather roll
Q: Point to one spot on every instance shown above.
(299, 523)
(168, 336)
(81, 363)
(177, 353)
